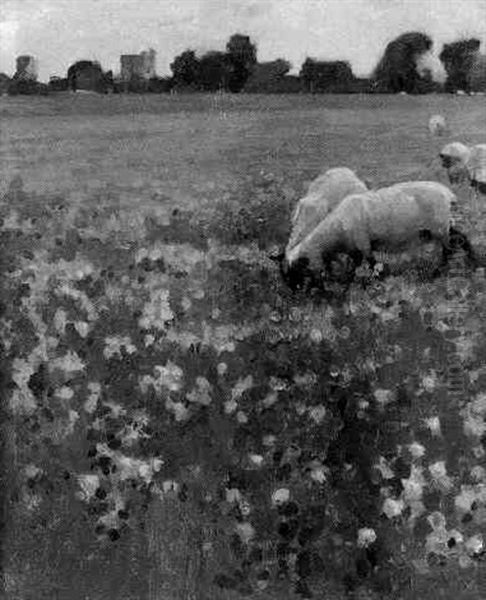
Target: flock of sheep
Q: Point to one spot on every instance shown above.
(340, 216)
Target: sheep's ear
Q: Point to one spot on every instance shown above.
(368, 183)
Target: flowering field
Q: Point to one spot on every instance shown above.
(177, 424)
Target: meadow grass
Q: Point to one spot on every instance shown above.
(178, 424)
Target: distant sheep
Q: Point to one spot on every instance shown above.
(323, 195)
(437, 125)
(390, 218)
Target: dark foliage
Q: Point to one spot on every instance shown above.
(214, 72)
(88, 75)
(458, 58)
(159, 85)
(26, 87)
(4, 83)
(477, 74)
(58, 84)
(242, 57)
(322, 76)
(185, 69)
(397, 69)
(267, 77)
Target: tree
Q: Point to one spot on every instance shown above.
(86, 75)
(326, 76)
(4, 83)
(185, 69)
(159, 85)
(459, 59)
(267, 77)
(242, 57)
(397, 69)
(214, 71)
(477, 74)
(57, 84)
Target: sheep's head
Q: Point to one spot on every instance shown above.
(298, 274)
(454, 158)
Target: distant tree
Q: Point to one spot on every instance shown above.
(267, 77)
(86, 75)
(26, 87)
(361, 85)
(4, 83)
(289, 84)
(136, 85)
(397, 69)
(109, 81)
(242, 57)
(160, 85)
(57, 84)
(324, 76)
(214, 71)
(185, 68)
(458, 59)
(477, 74)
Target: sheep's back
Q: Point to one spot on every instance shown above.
(435, 201)
(391, 215)
(398, 213)
(323, 197)
(417, 205)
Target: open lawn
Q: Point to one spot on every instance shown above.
(177, 425)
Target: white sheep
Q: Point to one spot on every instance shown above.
(323, 195)
(437, 125)
(454, 157)
(464, 163)
(390, 218)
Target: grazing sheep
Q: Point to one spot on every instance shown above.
(437, 125)
(323, 195)
(390, 218)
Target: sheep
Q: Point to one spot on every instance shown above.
(476, 167)
(437, 125)
(323, 195)
(454, 158)
(464, 163)
(389, 218)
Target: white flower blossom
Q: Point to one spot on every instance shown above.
(366, 536)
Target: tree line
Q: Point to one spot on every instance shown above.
(236, 70)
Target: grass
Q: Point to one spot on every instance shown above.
(163, 388)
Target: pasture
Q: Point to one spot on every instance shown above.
(176, 423)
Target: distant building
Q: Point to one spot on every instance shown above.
(138, 66)
(26, 68)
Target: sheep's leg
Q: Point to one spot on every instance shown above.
(356, 256)
(371, 260)
(474, 196)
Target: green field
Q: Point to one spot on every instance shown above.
(177, 423)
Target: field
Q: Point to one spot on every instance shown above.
(178, 425)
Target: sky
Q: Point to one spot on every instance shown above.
(59, 32)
